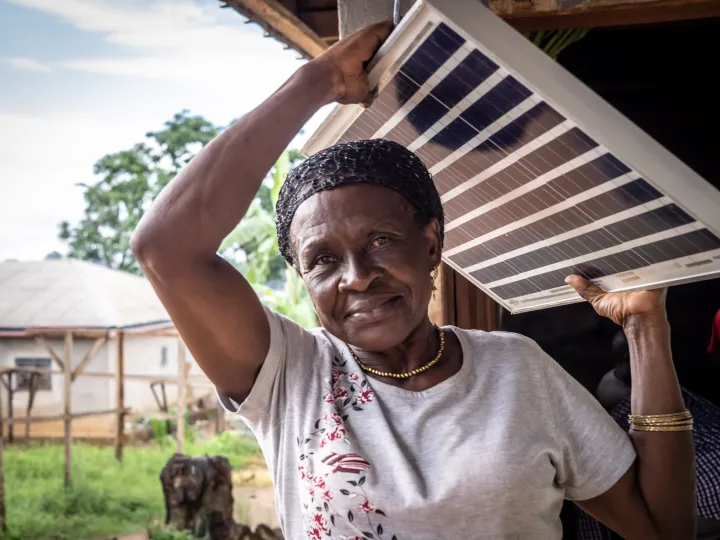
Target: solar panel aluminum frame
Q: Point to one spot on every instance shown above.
(562, 91)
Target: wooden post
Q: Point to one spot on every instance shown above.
(120, 396)
(220, 420)
(3, 521)
(164, 407)
(31, 398)
(473, 308)
(89, 356)
(43, 343)
(9, 386)
(181, 396)
(442, 306)
(68, 407)
(2, 422)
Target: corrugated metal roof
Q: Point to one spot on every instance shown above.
(69, 293)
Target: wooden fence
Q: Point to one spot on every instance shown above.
(119, 412)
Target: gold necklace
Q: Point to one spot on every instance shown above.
(408, 374)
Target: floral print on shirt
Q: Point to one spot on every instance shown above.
(335, 503)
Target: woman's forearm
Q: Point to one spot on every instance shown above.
(666, 466)
(198, 209)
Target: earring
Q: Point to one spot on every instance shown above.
(433, 277)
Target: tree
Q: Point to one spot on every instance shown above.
(130, 180)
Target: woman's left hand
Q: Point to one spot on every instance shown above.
(620, 307)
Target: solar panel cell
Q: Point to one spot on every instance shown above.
(472, 71)
(547, 194)
(584, 213)
(661, 219)
(684, 245)
(507, 94)
(440, 45)
(430, 55)
(547, 158)
(525, 129)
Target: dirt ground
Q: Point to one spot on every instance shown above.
(254, 497)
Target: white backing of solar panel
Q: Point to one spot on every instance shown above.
(551, 83)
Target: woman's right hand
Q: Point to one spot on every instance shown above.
(343, 64)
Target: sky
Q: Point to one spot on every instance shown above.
(83, 78)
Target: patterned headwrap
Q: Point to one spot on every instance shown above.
(375, 162)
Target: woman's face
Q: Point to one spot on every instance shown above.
(366, 262)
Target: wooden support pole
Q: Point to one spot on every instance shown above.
(2, 421)
(120, 396)
(220, 420)
(31, 399)
(10, 390)
(86, 359)
(43, 343)
(556, 14)
(182, 373)
(195, 379)
(3, 520)
(68, 408)
(164, 406)
(56, 417)
(442, 305)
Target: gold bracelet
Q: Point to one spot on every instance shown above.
(658, 422)
(681, 421)
(685, 427)
(657, 418)
(641, 426)
(662, 424)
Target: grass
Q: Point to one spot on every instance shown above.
(161, 532)
(107, 498)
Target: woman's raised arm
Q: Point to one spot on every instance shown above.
(212, 305)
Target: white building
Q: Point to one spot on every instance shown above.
(52, 297)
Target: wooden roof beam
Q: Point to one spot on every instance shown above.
(281, 24)
(323, 22)
(528, 15)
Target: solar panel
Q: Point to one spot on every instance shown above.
(538, 176)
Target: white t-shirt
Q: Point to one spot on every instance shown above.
(489, 453)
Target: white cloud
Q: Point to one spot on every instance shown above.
(181, 41)
(196, 55)
(29, 64)
(39, 167)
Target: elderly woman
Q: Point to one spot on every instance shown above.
(380, 425)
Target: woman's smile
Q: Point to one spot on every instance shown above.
(373, 308)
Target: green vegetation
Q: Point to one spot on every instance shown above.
(128, 182)
(157, 531)
(256, 237)
(553, 42)
(106, 498)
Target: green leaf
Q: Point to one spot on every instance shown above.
(282, 168)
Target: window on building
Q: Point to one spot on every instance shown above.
(164, 356)
(43, 381)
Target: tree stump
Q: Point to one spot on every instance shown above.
(198, 498)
